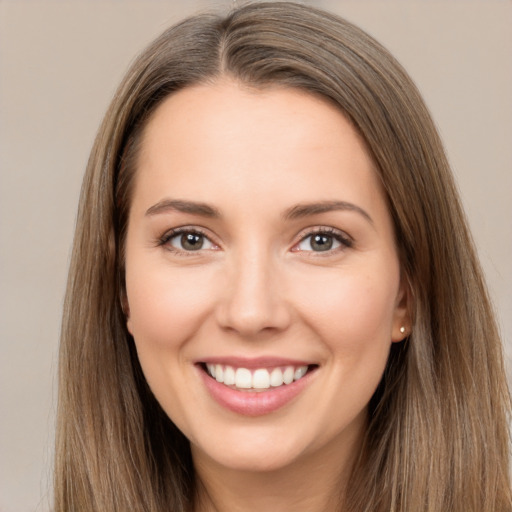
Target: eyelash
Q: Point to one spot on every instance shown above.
(169, 235)
(339, 236)
(346, 242)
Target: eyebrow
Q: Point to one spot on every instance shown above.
(295, 212)
(181, 205)
(307, 209)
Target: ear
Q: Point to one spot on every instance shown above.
(402, 321)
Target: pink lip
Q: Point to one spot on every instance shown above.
(255, 362)
(254, 403)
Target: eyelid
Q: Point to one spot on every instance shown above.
(171, 233)
(342, 237)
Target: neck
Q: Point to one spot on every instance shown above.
(312, 483)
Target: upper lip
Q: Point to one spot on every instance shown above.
(254, 362)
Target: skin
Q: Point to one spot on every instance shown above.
(258, 287)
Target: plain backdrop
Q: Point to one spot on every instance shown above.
(60, 62)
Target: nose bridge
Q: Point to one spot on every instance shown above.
(253, 301)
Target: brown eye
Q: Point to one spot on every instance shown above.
(191, 241)
(324, 241)
(188, 241)
(321, 242)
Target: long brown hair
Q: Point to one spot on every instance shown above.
(438, 437)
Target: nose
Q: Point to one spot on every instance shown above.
(253, 300)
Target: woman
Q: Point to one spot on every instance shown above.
(273, 300)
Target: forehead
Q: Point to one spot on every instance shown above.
(254, 142)
(228, 106)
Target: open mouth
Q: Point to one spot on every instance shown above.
(257, 379)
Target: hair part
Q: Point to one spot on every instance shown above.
(438, 436)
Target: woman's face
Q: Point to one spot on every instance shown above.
(263, 283)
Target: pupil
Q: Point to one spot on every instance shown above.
(191, 241)
(321, 242)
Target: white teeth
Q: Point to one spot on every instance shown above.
(276, 378)
(300, 372)
(288, 374)
(243, 378)
(219, 373)
(229, 376)
(260, 378)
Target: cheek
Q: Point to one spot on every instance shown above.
(166, 310)
(354, 313)
(166, 307)
(353, 317)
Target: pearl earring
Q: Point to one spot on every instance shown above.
(402, 329)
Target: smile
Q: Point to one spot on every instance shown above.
(256, 379)
(255, 387)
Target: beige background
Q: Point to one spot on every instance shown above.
(59, 65)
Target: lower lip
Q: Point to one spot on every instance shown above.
(254, 403)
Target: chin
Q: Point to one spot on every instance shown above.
(251, 454)
(254, 461)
